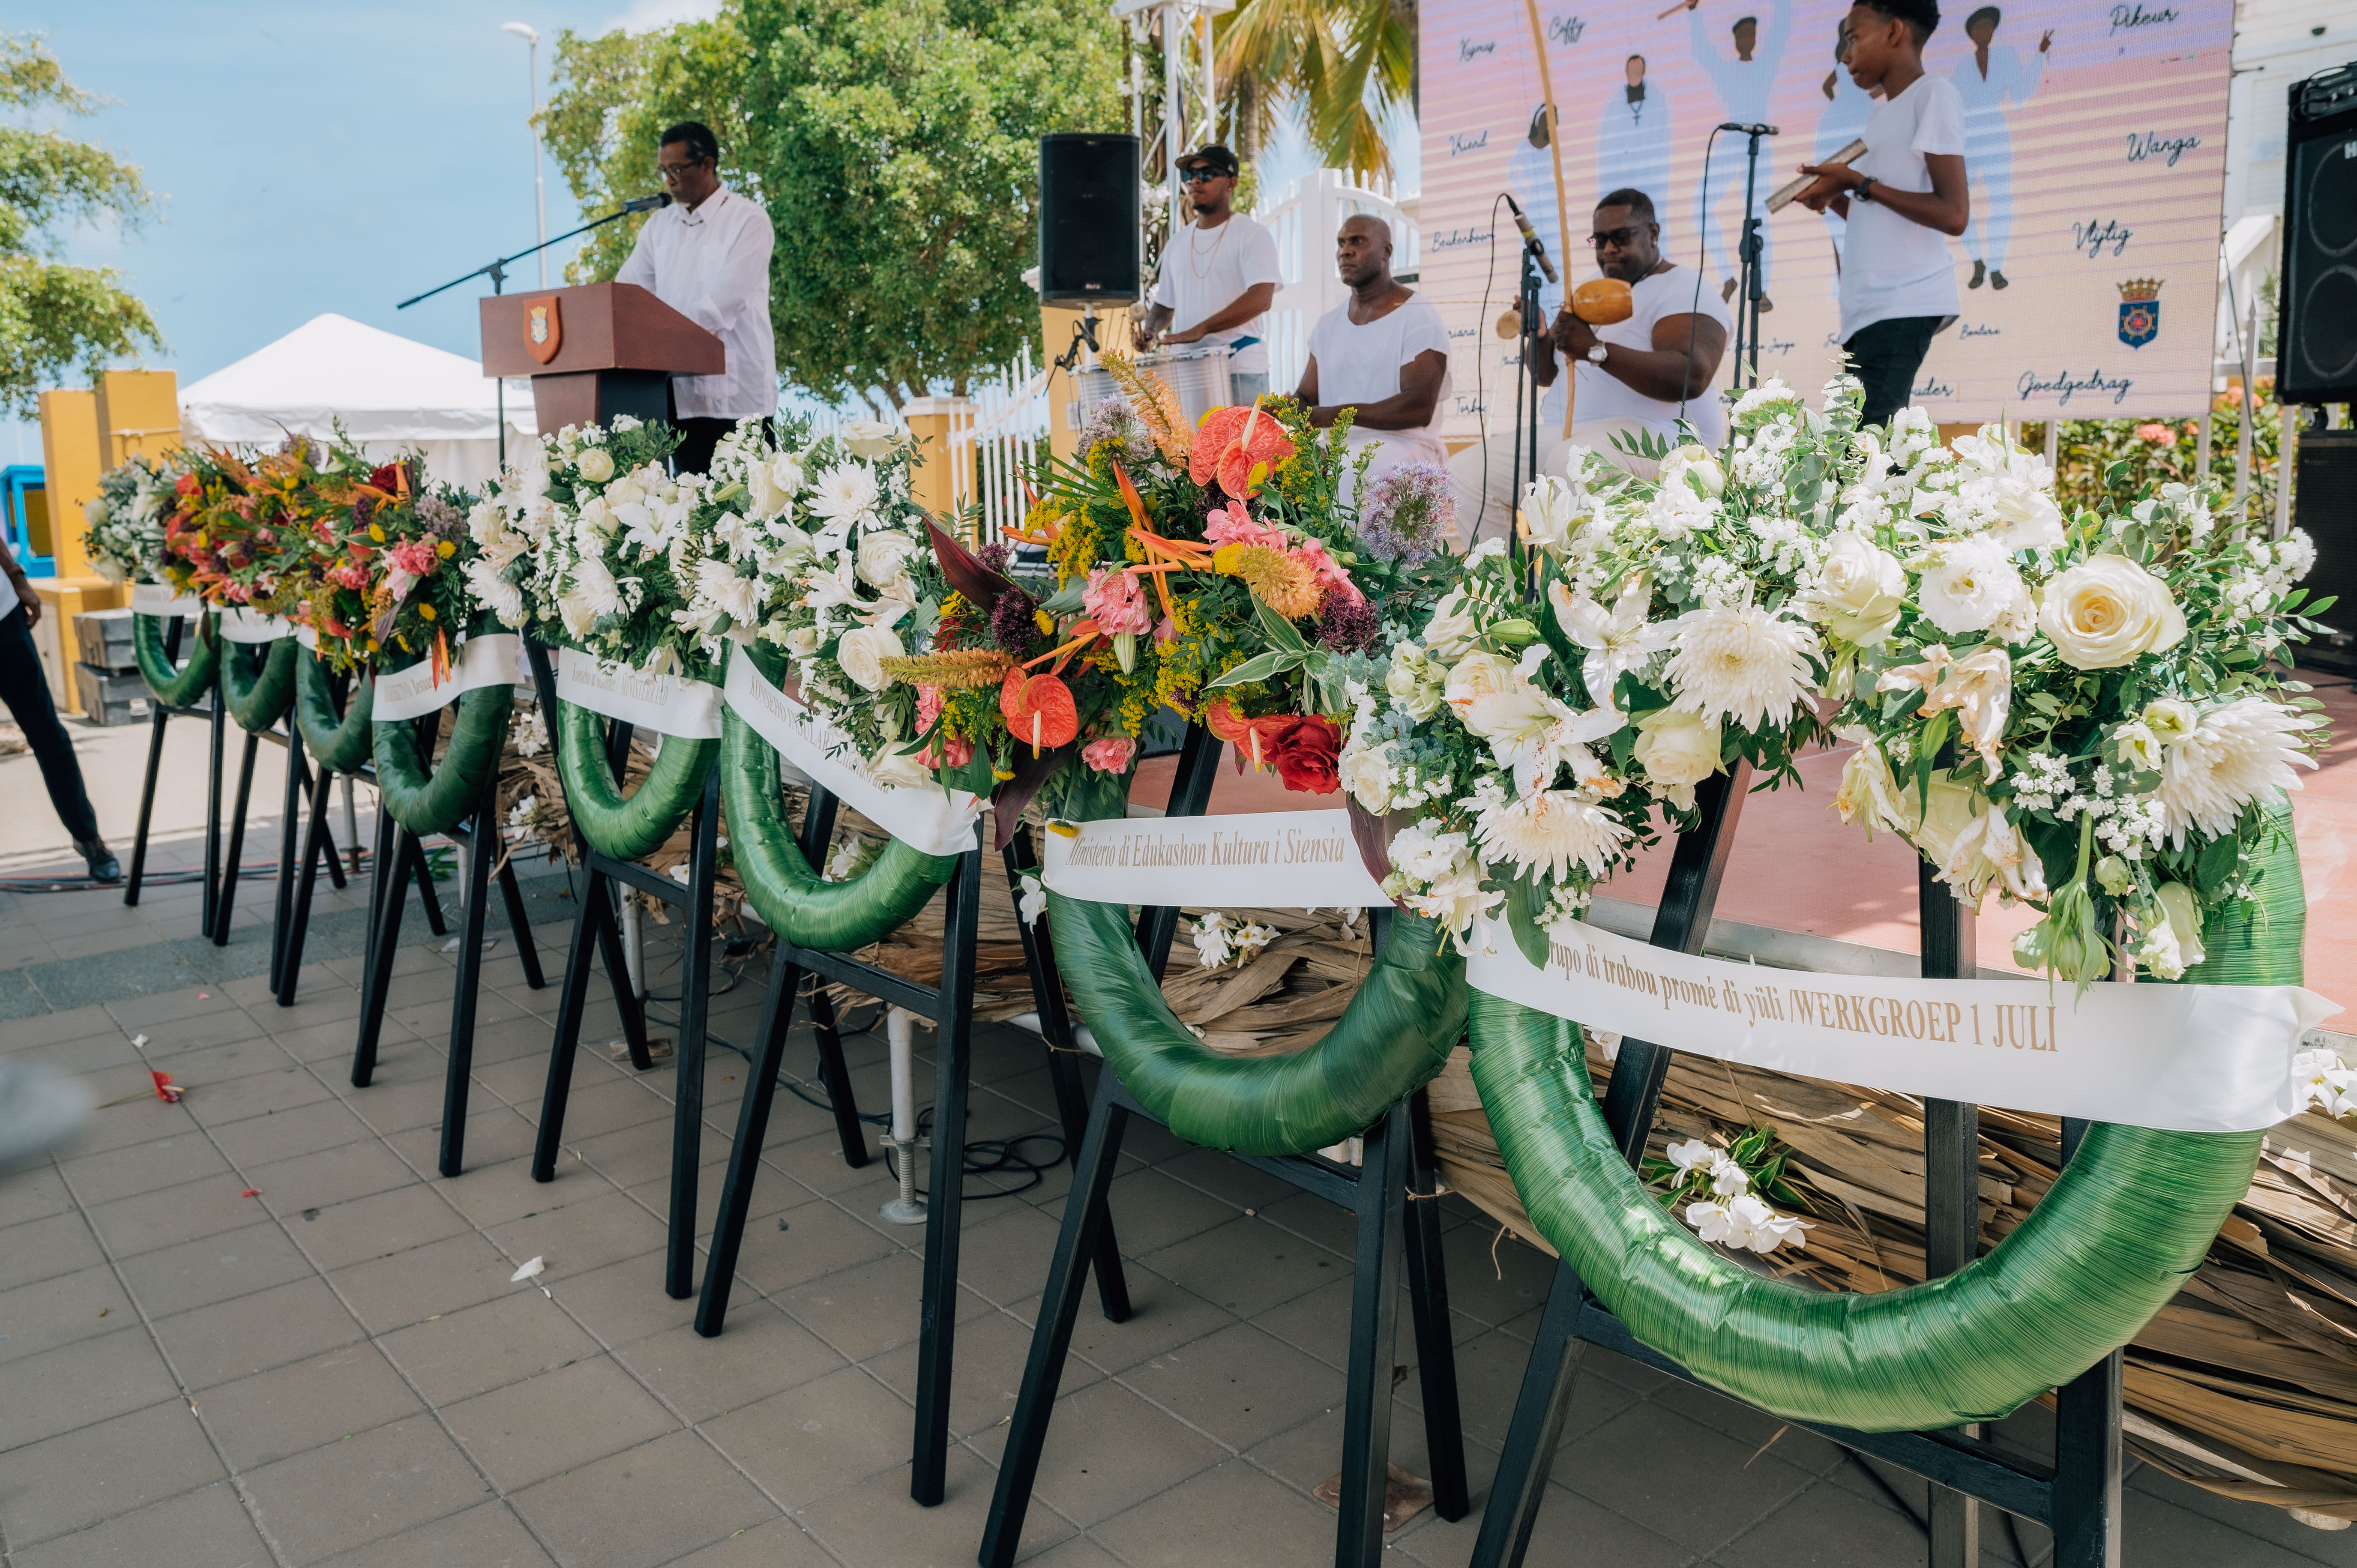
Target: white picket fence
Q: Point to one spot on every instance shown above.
(1001, 429)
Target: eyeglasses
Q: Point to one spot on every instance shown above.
(672, 174)
(1613, 239)
(1199, 175)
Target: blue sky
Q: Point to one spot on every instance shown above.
(314, 157)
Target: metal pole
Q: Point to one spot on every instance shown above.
(539, 161)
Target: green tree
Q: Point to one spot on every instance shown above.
(614, 95)
(55, 318)
(1348, 66)
(897, 142)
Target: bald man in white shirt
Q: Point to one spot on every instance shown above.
(707, 256)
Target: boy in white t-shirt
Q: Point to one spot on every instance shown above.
(1902, 199)
(1219, 274)
(1382, 353)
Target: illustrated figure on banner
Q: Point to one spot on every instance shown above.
(1984, 81)
(1632, 145)
(1744, 81)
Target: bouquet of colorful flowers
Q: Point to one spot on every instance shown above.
(236, 535)
(1650, 634)
(2062, 708)
(385, 582)
(1214, 571)
(124, 536)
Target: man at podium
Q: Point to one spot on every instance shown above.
(707, 256)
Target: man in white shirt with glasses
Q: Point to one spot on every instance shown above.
(707, 256)
(1219, 275)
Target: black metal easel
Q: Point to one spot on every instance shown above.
(164, 714)
(596, 927)
(2078, 1497)
(1391, 1193)
(401, 856)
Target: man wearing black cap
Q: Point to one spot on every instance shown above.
(1219, 273)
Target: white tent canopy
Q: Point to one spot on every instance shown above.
(388, 393)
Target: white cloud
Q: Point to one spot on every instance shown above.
(644, 16)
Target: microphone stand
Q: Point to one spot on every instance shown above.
(1526, 394)
(497, 270)
(1749, 291)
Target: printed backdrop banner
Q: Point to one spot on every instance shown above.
(1273, 860)
(2186, 1059)
(2095, 142)
(936, 820)
(667, 704)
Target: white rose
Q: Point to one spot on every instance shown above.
(1365, 773)
(2107, 611)
(803, 642)
(595, 465)
(1970, 587)
(1678, 750)
(883, 558)
(870, 437)
(771, 486)
(1694, 463)
(1452, 629)
(1476, 676)
(862, 652)
(1858, 598)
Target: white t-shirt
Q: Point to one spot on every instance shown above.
(1204, 271)
(1362, 364)
(1891, 267)
(1603, 396)
(712, 265)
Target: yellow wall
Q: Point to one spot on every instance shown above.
(138, 414)
(73, 454)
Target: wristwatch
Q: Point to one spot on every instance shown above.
(1863, 190)
(1596, 353)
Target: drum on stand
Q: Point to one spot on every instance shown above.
(1198, 375)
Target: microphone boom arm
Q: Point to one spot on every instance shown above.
(497, 270)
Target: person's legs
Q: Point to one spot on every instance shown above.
(25, 688)
(1885, 356)
(697, 437)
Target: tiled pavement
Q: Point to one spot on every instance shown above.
(339, 1370)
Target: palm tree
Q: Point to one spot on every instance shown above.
(1348, 66)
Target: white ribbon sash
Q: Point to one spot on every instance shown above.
(241, 624)
(938, 821)
(2186, 1059)
(1272, 859)
(412, 692)
(158, 600)
(667, 704)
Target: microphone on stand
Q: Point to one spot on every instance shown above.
(1530, 238)
(647, 203)
(1752, 130)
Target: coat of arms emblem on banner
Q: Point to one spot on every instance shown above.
(2139, 311)
(544, 330)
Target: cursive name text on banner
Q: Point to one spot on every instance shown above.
(1277, 860)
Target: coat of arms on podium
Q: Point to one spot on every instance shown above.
(2139, 311)
(544, 329)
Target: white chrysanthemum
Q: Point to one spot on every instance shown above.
(495, 593)
(845, 494)
(2295, 554)
(1772, 390)
(595, 585)
(1970, 586)
(1552, 831)
(740, 597)
(1742, 662)
(2239, 752)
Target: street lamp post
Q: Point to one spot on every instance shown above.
(539, 182)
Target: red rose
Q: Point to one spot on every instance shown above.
(384, 479)
(1307, 754)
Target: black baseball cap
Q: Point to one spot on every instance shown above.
(1214, 154)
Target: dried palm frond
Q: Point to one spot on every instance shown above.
(1157, 405)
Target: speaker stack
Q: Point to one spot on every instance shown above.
(1089, 209)
(2316, 339)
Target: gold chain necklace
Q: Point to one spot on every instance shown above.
(1200, 260)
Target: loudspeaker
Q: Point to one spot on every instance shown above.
(1089, 210)
(2325, 504)
(2316, 352)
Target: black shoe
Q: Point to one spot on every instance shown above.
(1980, 275)
(1996, 279)
(103, 867)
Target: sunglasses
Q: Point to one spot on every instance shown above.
(1613, 239)
(1199, 175)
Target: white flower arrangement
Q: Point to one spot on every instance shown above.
(1717, 1184)
(1222, 939)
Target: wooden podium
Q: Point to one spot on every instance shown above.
(595, 351)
